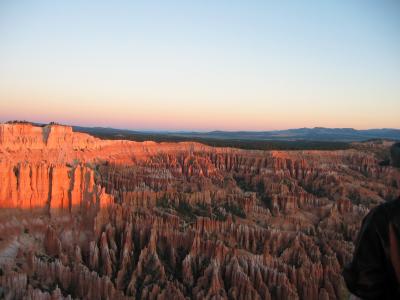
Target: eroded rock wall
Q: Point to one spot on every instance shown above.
(90, 219)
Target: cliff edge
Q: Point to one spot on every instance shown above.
(24, 135)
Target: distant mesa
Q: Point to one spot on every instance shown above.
(299, 134)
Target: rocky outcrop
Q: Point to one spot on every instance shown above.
(15, 137)
(52, 187)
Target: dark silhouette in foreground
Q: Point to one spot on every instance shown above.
(374, 272)
(395, 155)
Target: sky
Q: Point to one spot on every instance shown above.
(201, 65)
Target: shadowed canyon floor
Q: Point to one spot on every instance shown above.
(87, 218)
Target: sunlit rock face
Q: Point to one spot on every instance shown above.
(94, 219)
(26, 136)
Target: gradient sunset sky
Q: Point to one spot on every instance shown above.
(201, 65)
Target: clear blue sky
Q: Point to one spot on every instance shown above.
(201, 64)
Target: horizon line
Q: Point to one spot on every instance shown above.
(193, 130)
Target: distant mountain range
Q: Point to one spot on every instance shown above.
(299, 134)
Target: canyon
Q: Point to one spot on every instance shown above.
(88, 218)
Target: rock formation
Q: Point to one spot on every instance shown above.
(87, 218)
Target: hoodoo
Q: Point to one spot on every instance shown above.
(88, 218)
